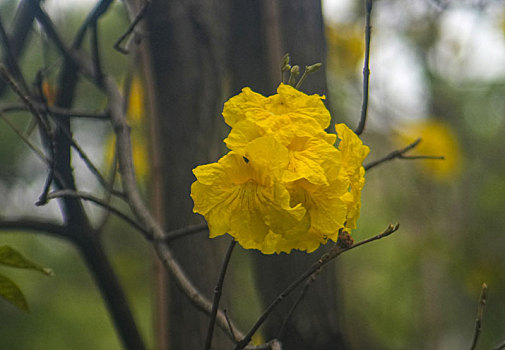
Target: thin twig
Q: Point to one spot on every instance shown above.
(400, 154)
(140, 209)
(225, 311)
(57, 111)
(500, 346)
(100, 8)
(48, 137)
(34, 225)
(131, 28)
(95, 51)
(34, 148)
(217, 295)
(103, 204)
(125, 162)
(20, 26)
(480, 313)
(108, 196)
(10, 59)
(4, 74)
(291, 311)
(366, 68)
(183, 232)
(330, 255)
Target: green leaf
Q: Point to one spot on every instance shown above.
(11, 292)
(13, 258)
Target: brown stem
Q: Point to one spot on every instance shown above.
(366, 68)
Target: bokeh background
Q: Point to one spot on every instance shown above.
(437, 72)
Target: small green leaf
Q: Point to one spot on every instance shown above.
(11, 292)
(13, 258)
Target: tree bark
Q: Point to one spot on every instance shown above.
(188, 58)
(194, 47)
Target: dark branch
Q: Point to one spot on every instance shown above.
(82, 64)
(366, 69)
(480, 313)
(291, 311)
(131, 28)
(57, 111)
(31, 224)
(100, 8)
(103, 204)
(183, 232)
(18, 34)
(330, 255)
(500, 346)
(11, 62)
(217, 295)
(400, 154)
(5, 75)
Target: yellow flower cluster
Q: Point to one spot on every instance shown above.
(284, 185)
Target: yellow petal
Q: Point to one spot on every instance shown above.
(246, 103)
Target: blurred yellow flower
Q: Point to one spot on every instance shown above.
(284, 185)
(438, 139)
(136, 119)
(345, 47)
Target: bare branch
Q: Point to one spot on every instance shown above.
(103, 204)
(183, 232)
(400, 154)
(100, 8)
(139, 208)
(10, 59)
(4, 74)
(500, 346)
(330, 255)
(131, 28)
(480, 313)
(366, 69)
(32, 224)
(57, 111)
(18, 33)
(291, 311)
(217, 296)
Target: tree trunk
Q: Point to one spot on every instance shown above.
(188, 58)
(193, 46)
(315, 323)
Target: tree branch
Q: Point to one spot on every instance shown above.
(131, 28)
(400, 154)
(329, 256)
(57, 111)
(500, 346)
(480, 313)
(18, 34)
(366, 69)
(183, 232)
(139, 208)
(217, 295)
(32, 224)
(103, 204)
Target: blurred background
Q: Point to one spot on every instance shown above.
(437, 72)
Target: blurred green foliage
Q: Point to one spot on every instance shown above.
(420, 288)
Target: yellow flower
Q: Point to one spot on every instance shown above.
(244, 197)
(353, 154)
(345, 48)
(284, 185)
(437, 140)
(136, 119)
(287, 102)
